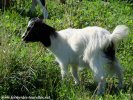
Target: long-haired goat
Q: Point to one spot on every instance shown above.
(91, 47)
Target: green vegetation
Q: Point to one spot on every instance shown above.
(30, 69)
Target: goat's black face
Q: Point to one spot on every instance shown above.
(32, 32)
(38, 31)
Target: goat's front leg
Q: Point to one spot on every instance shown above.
(74, 71)
(64, 70)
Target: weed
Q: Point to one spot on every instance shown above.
(30, 70)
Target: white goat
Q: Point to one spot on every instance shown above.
(91, 47)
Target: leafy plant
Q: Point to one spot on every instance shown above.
(30, 70)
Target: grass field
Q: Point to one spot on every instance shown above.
(30, 69)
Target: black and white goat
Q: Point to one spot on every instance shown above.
(42, 5)
(91, 47)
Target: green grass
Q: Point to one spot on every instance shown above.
(30, 69)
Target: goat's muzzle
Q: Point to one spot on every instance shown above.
(24, 38)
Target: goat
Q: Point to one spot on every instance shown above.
(91, 47)
(42, 5)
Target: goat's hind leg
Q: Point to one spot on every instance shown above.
(97, 67)
(119, 72)
(100, 78)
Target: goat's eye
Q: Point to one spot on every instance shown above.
(28, 28)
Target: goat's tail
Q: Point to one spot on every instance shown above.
(119, 33)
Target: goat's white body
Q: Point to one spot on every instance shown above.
(78, 46)
(84, 47)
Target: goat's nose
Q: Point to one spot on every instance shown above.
(23, 36)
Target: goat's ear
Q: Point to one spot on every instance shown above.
(41, 18)
(36, 19)
(39, 21)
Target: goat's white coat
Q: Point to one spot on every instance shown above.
(84, 47)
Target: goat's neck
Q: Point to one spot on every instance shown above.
(55, 43)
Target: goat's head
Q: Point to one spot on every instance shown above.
(38, 31)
